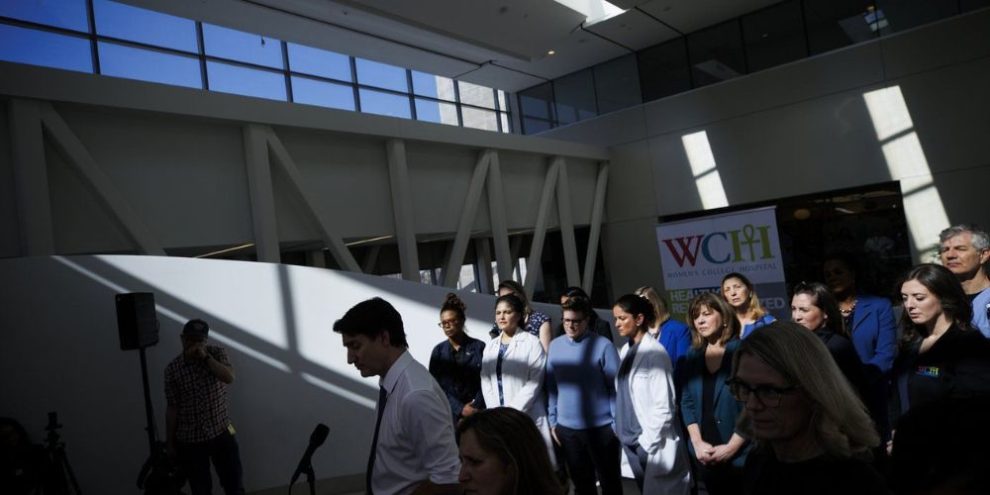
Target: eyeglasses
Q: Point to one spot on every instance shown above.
(448, 323)
(767, 395)
(578, 321)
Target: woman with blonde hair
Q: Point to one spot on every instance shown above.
(673, 335)
(707, 407)
(811, 431)
(502, 454)
(740, 293)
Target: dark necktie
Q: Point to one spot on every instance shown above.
(382, 397)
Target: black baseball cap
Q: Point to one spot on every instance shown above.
(196, 328)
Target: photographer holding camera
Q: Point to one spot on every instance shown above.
(196, 420)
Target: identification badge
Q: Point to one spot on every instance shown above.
(929, 371)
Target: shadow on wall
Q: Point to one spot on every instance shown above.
(61, 353)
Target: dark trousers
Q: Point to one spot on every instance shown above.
(591, 451)
(195, 460)
(637, 463)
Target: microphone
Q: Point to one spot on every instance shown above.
(316, 439)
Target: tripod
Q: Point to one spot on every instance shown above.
(64, 479)
(157, 476)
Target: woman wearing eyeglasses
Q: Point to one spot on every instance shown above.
(645, 409)
(456, 362)
(812, 434)
(707, 407)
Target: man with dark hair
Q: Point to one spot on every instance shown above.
(580, 381)
(198, 429)
(413, 448)
(965, 251)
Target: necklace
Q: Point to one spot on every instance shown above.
(848, 311)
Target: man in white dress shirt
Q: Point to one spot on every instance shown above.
(413, 448)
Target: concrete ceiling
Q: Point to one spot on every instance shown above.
(498, 43)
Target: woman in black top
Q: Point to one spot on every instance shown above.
(814, 308)
(812, 434)
(456, 362)
(942, 356)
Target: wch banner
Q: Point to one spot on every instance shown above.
(697, 253)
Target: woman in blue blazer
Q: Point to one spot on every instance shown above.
(873, 331)
(707, 407)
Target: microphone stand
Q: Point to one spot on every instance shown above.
(310, 478)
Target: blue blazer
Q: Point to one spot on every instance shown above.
(675, 339)
(726, 409)
(874, 333)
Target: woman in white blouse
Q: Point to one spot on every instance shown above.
(512, 367)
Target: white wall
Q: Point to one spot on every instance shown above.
(177, 158)
(805, 127)
(61, 353)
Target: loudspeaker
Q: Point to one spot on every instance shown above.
(137, 321)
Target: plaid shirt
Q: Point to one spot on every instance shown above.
(199, 396)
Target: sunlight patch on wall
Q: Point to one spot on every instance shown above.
(175, 316)
(340, 391)
(906, 162)
(703, 168)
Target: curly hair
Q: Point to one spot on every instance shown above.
(454, 303)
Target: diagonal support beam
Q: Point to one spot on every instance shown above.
(597, 212)
(567, 226)
(533, 266)
(66, 142)
(34, 209)
(468, 215)
(500, 229)
(260, 192)
(402, 210)
(339, 251)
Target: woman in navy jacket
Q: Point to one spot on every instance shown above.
(707, 407)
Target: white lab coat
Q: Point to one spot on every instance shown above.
(651, 388)
(523, 367)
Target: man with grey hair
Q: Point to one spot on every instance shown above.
(965, 251)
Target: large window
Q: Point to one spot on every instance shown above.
(125, 41)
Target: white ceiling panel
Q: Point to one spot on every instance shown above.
(577, 51)
(634, 29)
(522, 29)
(501, 77)
(501, 44)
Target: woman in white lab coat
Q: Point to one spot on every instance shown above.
(512, 367)
(646, 404)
